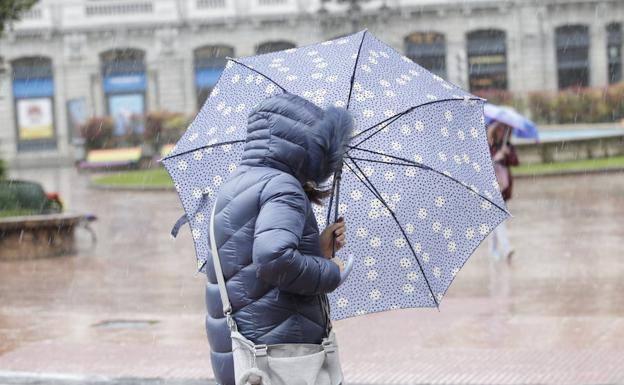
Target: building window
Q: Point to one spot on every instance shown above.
(33, 94)
(614, 52)
(487, 60)
(428, 49)
(572, 44)
(209, 62)
(272, 46)
(124, 83)
(210, 4)
(271, 2)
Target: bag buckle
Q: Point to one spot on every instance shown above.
(231, 323)
(328, 345)
(260, 350)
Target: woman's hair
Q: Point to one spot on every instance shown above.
(315, 194)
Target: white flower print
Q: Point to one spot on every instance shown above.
(399, 243)
(375, 295)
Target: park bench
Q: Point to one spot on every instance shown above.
(112, 158)
(40, 236)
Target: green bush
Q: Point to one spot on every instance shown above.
(502, 97)
(3, 170)
(160, 127)
(98, 133)
(163, 127)
(25, 198)
(585, 105)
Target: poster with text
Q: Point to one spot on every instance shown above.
(35, 119)
(127, 111)
(77, 115)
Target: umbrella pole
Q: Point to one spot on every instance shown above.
(337, 179)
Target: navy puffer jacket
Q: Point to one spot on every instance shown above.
(266, 232)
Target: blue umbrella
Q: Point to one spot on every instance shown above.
(417, 188)
(522, 127)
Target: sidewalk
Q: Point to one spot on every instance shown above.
(130, 311)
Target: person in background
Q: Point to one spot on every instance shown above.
(504, 157)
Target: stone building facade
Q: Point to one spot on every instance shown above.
(71, 59)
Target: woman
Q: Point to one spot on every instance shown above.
(276, 265)
(504, 157)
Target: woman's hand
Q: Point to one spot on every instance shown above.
(337, 230)
(338, 262)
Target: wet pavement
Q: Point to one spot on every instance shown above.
(131, 306)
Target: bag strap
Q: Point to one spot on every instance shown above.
(227, 307)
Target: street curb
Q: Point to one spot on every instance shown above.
(34, 378)
(610, 170)
(109, 187)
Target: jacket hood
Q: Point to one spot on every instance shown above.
(294, 135)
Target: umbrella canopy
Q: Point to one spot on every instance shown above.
(522, 127)
(418, 189)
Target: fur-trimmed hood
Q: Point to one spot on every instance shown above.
(294, 135)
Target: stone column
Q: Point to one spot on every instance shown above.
(60, 110)
(170, 82)
(8, 139)
(549, 50)
(598, 59)
(188, 83)
(527, 58)
(456, 61)
(97, 93)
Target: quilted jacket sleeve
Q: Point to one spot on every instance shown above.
(278, 231)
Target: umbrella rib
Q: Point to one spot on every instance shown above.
(424, 167)
(391, 163)
(202, 147)
(369, 185)
(357, 59)
(393, 118)
(258, 72)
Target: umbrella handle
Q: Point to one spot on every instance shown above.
(337, 178)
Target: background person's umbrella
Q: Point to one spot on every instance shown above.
(418, 190)
(522, 126)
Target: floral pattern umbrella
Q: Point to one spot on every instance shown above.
(417, 189)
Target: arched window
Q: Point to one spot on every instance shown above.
(124, 83)
(487, 59)
(614, 52)
(572, 44)
(33, 93)
(272, 46)
(209, 62)
(428, 49)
